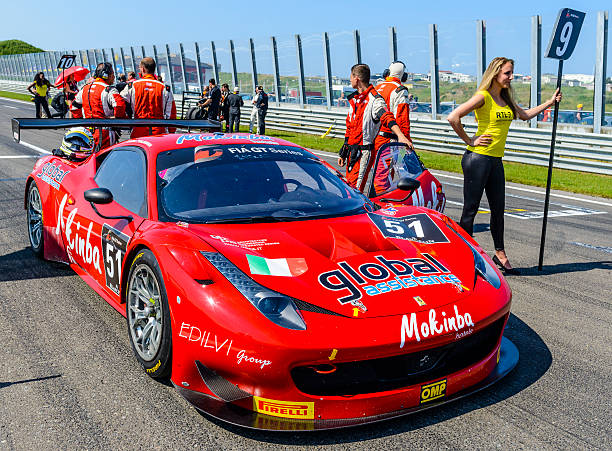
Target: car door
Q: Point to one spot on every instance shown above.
(105, 230)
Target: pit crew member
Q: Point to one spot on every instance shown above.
(100, 100)
(367, 112)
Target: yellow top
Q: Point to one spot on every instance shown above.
(492, 120)
(41, 90)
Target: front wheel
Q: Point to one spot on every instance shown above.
(148, 316)
(35, 220)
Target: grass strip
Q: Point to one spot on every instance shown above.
(16, 95)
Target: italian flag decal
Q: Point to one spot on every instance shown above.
(288, 267)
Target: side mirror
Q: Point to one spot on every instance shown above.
(408, 184)
(98, 196)
(102, 196)
(405, 184)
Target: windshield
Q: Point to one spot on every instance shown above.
(249, 183)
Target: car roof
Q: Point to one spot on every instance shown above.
(153, 145)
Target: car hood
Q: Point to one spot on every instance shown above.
(351, 265)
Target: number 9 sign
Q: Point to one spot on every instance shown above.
(565, 34)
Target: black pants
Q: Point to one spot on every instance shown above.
(261, 117)
(483, 173)
(234, 122)
(41, 101)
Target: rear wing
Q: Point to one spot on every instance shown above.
(52, 124)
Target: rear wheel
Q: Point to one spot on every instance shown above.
(148, 316)
(35, 219)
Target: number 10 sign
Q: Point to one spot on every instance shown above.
(565, 34)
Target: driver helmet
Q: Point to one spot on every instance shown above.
(78, 143)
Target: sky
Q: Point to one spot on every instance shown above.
(63, 25)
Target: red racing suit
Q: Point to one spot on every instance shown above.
(98, 100)
(149, 99)
(396, 98)
(368, 111)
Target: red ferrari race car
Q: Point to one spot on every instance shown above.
(269, 292)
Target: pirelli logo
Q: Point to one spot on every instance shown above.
(433, 391)
(284, 409)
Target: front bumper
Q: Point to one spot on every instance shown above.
(240, 416)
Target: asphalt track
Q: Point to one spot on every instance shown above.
(68, 379)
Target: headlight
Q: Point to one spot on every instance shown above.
(277, 307)
(483, 268)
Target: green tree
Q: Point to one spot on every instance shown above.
(15, 46)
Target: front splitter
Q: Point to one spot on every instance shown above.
(230, 413)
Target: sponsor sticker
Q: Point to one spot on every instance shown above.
(419, 300)
(419, 227)
(433, 391)
(284, 409)
(288, 267)
(204, 153)
(279, 424)
(114, 247)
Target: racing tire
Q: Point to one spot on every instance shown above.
(191, 112)
(35, 220)
(148, 316)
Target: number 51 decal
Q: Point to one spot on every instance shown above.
(419, 227)
(114, 245)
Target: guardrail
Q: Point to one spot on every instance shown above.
(574, 150)
(578, 151)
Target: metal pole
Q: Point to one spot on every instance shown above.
(253, 64)
(24, 66)
(54, 60)
(14, 67)
(95, 54)
(90, 63)
(357, 41)
(276, 71)
(300, 63)
(536, 66)
(142, 50)
(328, 72)
(170, 70)
(38, 62)
(113, 58)
(182, 54)
(78, 58)
(550, 167)
(433, 67)
(601, 57)
(133, 55)
(233, 60)
(199, 66)
(125, 71)
(49, 67)
(481, 50)
(31, 66)
(392, 44)
(157, 60)
(213, 50)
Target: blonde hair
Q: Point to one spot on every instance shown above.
(491, 73)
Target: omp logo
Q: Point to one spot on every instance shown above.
(284, 409)
(433, 391)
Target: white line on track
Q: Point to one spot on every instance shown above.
(11, 157)
(33, 147)
(562, 196)
(10, 106)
